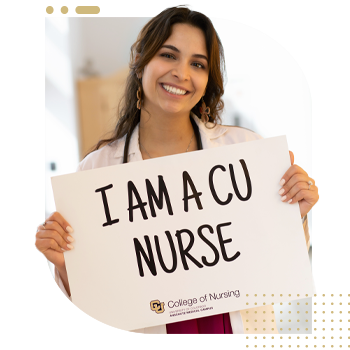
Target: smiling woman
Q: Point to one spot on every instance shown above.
(171, 105)
(178, 49)
(173, 82)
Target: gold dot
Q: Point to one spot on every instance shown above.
(306, 337)
(255, 304)
(306, 303)
(263, 295)
(297, 329)
(272, 295)
(264, 303)
(247, 337)
(306, 295)
(281, 329)
(289, 303)
(340, 303)
(340, 295)
(281, 295)
(297, 295)
(255, 295)
(272, 303)
(323, 295)
(49, 10)
(315, 295)
(315, 303)
(247, 295)
(289, 295)
(298, 303)
(247, 303)
(307, 329)
(64, 9)
(331, 295)
(289, 329)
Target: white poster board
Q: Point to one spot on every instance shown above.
(221, 237)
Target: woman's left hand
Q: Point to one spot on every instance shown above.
(296, 188)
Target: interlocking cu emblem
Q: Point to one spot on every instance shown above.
(157, 306)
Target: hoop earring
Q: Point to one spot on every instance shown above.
(204, 111)
(138, 95)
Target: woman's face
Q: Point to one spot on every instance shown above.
(176, 77)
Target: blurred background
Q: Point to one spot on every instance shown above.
(85, 70)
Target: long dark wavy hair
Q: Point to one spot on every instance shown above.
(148, 43)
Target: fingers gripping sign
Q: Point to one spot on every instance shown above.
(291, 155)
(53, 238)
(298, 187)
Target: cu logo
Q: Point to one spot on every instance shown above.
(157, 306)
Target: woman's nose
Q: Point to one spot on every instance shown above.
(182, 72)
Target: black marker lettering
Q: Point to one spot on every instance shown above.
(223, 242)
(187, 180)
(173, 253)
(212, 189)
(149, 259)
(185, 252)
(132, 190)
(249, 184)
(211, 245)
(105, 204)
(163, 192)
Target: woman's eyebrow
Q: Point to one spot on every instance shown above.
(171, 47)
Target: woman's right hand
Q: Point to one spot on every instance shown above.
(53, 238)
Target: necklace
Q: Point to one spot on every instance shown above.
(149, 154)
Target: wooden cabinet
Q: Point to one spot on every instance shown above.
(98, 100)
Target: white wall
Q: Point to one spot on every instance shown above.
(266, 88)
(61, 127)
(69, 43)
(106, 41)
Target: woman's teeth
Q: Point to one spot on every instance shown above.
(174, 90)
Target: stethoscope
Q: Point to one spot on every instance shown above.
(196, 133)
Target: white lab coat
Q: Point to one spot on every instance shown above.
(243, 321)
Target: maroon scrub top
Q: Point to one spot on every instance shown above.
(216, 324)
